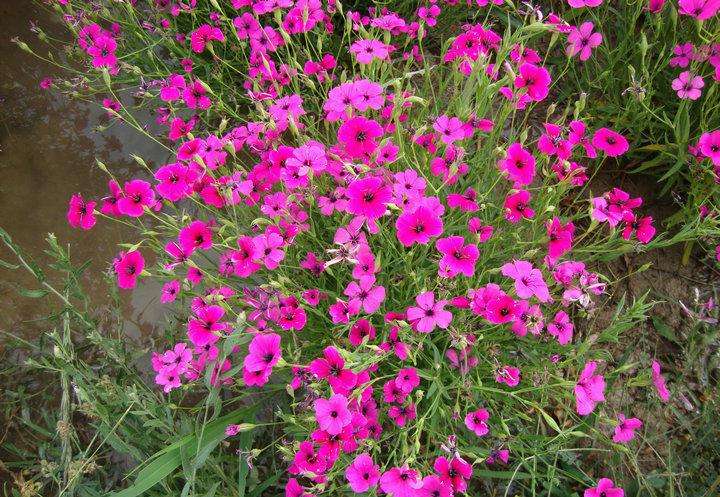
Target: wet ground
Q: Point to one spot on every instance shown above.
(48, 148)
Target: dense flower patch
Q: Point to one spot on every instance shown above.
(400, 232)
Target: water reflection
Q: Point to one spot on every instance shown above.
(48, 147)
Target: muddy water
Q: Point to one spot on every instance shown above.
(48, 147)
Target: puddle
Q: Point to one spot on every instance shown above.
(48, 147)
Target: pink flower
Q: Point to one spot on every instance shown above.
(561, 328)
(699, 9)
(195, 96)
(196, 235)
(429, 314)
(656, 6)
(136, 195)
(519, 165)
(203, 35)
(358, 136)
(362, 474)
(267, 250)
(589, 390)
(625, 429)
(456, 256)
(332, 368)
(418, 226)
(128, 266)
(454, 472)
(368, 197)
(509, 375)
(709, 144)
(476, 421)
(81, 214)
(432, 485)
(560, 238)
(263, 352)
(363, 293)
(582, 40)
(576, 4)
(206, 326)
(361, 329)
(407, 380)
(450, 129)
(659, 382)
(170, 291)
(333, 414)
(400, 482)
(535, 79)
(529, 281)
(683, 55)
(605, 488)
(367, 50)
(642, 227)
(610, 142)
(517, 206)
(502, 309)
(688, 86)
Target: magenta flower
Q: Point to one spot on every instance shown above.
(418, 226)
(582, 40)
(202, 36)
(400, 482)
(136, 195)
(709, 144)
(170, 291)
(509, 375)
(656, 6)
(589, 390)
(267, 250)
(196, 235)
(103, 52)
(688, 86)
(456, 256)
(333, 414)
(519, 165)
(358, 136)
(625, 429)
(517, 206)
(428, 314)
(560, 238)
(263, 352)
(361, 329)
(368, 197)
(561, 328)
(205, 328)
(605, 488)
(450, 129)
(128, 266)
(576, 4)
(367, 50)
(535, 79)
(529, 281)
(642, 227)
(363, 293)
(407, 380)
(362, 474)
(610, 142)
(501, 309)
(195, 96)
(81, 214)
(454, 472)
(476, 421)
(432, 486)
(699, 9)
(659, 382)
(332, 368)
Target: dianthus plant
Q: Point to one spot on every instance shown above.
(398, 236)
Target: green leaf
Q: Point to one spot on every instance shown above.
(164, 462)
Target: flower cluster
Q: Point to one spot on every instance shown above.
(406, 267)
